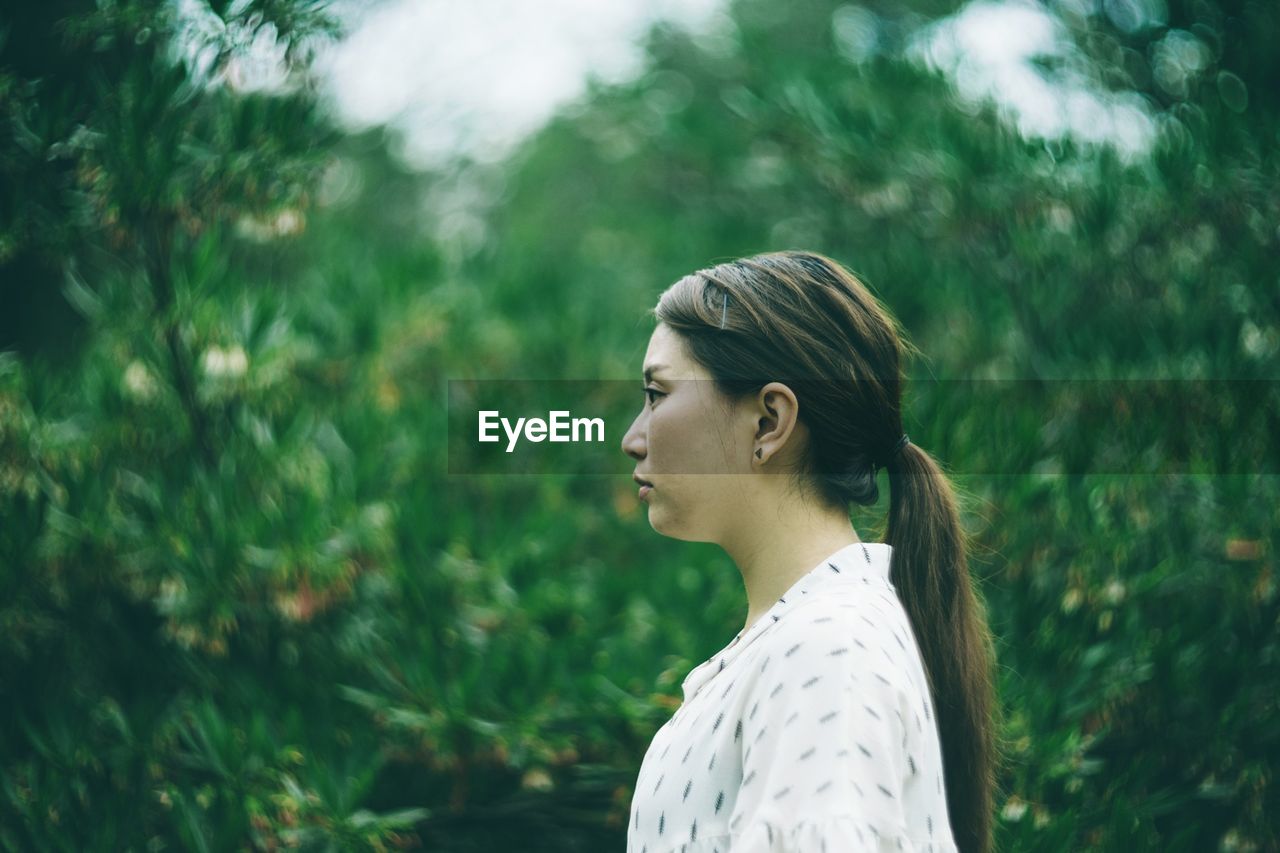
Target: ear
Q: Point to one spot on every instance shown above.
(777, 412)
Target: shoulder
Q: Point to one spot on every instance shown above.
(841, 613)
(858, 634)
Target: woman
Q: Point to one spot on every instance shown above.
(855, 710)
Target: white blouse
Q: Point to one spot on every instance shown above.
(812, 731)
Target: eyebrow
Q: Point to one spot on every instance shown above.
(652, 369)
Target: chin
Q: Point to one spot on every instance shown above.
(663, 523)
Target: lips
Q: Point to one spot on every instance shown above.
(645, 487)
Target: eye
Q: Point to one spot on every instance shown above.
(650, 392)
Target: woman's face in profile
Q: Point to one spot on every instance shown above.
(690, 443)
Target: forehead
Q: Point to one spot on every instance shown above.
(666, 355)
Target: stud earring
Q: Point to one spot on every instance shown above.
(758, 453)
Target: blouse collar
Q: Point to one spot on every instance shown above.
(853, 565)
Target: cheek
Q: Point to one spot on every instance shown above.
(664, 430)
(676, 441)
(678, 447)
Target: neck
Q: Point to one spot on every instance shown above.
(772, 557)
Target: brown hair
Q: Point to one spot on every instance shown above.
(802, 316)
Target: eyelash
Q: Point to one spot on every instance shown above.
(648, 391)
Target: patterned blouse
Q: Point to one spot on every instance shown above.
(812, 731)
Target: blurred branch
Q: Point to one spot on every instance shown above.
(159, 270)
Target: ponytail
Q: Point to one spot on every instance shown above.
(930, 571)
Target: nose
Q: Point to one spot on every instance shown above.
(633, 443)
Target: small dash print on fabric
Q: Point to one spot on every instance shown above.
(802, 747)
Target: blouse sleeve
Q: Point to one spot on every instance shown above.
(824, 742)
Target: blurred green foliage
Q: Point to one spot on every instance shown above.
(244, 607)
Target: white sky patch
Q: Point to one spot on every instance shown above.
(478, 76)
(986, 49)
